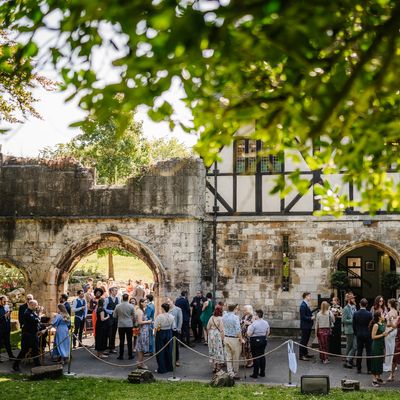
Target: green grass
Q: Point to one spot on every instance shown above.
(15, 340)
(17, 388)
(125, 267)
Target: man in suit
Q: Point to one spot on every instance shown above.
(347, 320)
(183, 303)
(110, 303)
(306, 324)
(64, 300)
(22, 308)
(30, 333)
(124, 314)
(5, 326)
(361, 321)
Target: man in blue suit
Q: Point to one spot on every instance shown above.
(361, 321)
(306, 324)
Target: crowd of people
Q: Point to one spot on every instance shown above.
(375, 330)
(131, 314)
(230, 335)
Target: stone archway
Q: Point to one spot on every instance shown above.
(354, 245)
(14, 281)
(24, 271)
(87, 245)
(366, 261)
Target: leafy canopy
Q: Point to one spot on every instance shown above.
(17, 101)
(311, 73)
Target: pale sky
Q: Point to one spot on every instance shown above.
(28, 138)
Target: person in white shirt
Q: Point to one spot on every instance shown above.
(258, 331)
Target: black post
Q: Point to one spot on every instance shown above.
(214, 240)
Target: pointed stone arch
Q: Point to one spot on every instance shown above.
(70, 257)
(339, 253)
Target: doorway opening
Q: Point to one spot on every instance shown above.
(365, 266)
(112, 266)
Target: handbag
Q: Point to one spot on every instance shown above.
(292, 357)
(136, 331)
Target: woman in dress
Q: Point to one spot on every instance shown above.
(379, 305)
(102, 328)
(62, 323)
(207, 311)
(215, 329)
(129, 287)
(136, 328)
(396, 357)
(323, 322)
(391, 324)
(142, 344)
(98, 293)
(378, 335)
(245, 322)
(147, 290)
(163, 325)
(335, 340)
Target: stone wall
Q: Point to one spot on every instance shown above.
(52, 215)
(39, 188)
(250, 257)
(171, 248)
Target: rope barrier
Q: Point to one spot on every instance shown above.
(343, 355)
(40, 354)
(119, 365)
(242, 359)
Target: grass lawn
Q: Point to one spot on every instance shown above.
(15, 339)
(17, 388)
(125, 267)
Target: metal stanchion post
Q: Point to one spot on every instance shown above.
(69, 373)
(174, 344)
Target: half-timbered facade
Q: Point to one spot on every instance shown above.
(271, 249)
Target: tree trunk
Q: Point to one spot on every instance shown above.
(110, 265)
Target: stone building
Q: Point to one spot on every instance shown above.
(268, 250)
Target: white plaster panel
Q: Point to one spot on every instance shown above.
(337, 180)
(226, 165)
(291, 165)
(246, 193)
(270, 202)
(225, 189)
(306, 203)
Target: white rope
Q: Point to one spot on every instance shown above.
(41, 354)
(119, 365)
(343, 355)
(243, 359)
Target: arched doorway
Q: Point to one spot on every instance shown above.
(14, 281)
(365, 263)
(115, 263)
(72, 255)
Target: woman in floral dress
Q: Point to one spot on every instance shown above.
(143, 340)
(215, 329)
(246, 321)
